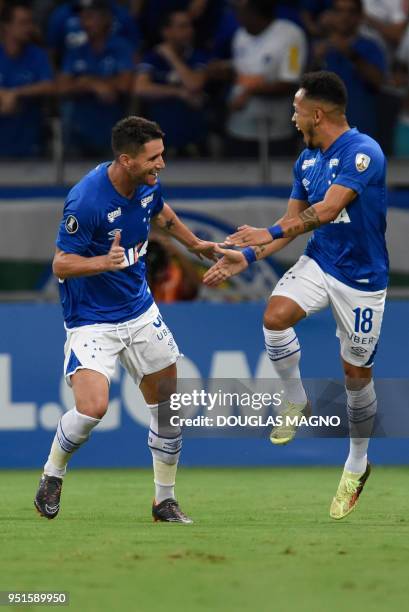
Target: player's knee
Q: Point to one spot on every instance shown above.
(166, 450)
(95, 407)
(275, 318)
(356, 377)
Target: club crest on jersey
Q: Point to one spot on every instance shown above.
(362, 162)
(114, 214)
(146, 201)
(71, 224)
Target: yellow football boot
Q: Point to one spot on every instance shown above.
(283, 434)
(349, 490)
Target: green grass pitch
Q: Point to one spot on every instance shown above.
(262, 540)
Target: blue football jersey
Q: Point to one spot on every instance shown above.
(352, 248)
(94, 211)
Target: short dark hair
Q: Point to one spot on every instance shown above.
(325, 86)
(7, 13)
(358, 5)
(167, 18)
(264, 8)
(131, 133)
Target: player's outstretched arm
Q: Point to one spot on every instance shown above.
(69, 265)
(168, 221)
(336, 199)
(230, 264)
(255, 236)
(234, 262)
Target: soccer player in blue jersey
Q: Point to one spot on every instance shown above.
(108, 308)
(338, 192)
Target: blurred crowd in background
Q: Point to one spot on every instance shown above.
(219, 76)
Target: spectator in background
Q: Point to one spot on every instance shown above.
(171, 78)
(387, 18)
(313, 14)
(205, 16)
(401, 80)
(357, 59)
(65, 31)
(96, 78)
(268, 58)
(172, 277)
(25, 78)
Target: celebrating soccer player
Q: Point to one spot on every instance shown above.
(338, 192)
(108, 308)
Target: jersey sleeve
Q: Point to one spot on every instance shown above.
(68, 61)
(148, 64)
(43, 66)
(371, 52)
(293, 57)
(159, 202)
(124, 57)
(77, 227)
(298, 191)
(362, 165)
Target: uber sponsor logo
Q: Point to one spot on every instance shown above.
(114, 214)
(146, 201)
(307, 163)
(361, 340)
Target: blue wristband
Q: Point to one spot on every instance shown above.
(250, 255)
(276, 231)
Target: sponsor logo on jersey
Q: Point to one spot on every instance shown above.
(343, 217)
(146, 201)
(307, 163)
(114, 214)
(362, 162)
(133, 254)
(358, 351)
(333, 162)
(305, 182)
(71, 224)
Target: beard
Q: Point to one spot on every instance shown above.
(309, 137)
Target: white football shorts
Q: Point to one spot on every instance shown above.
(143, 345)
(358, 314)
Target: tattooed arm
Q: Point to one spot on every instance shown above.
(233, 262)
(336, 199)
(168, 221)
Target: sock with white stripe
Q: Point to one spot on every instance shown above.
(165, 442)
(284, 352)
(73, 429)
(361, 410)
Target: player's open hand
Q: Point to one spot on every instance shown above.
(232, 262)
(249, 236)
(204, 248)
(116, 259)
